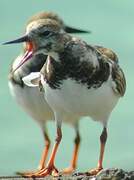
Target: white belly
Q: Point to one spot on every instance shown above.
(33, 102)
(74, 98)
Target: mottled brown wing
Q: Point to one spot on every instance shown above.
(118, 77)
(108, 53)
(119, 80)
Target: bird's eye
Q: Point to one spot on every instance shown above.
(45, 33)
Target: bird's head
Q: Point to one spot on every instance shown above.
(42, 35)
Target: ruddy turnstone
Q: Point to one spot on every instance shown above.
(78, 80)
(31, 99)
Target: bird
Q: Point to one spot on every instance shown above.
(31, 99)
(77, 79)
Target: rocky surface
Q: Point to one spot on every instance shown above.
(109, 174)
(106, 174)
(115, 174)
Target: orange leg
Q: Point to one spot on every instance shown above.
(43, 157)
(50, 168)
(45, 152)
(103, 139)
(73, 163)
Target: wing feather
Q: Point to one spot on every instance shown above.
(108, 53)
(119, 80)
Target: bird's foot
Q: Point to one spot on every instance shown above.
(95, 171)
(67, 170)
(29, 173)
(24, 173)
(50, 170)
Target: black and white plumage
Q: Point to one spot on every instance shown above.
(31, 99)
(91, 85)
(78, 80)
(82, 71)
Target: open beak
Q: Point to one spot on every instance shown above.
(29, 49)
(69, 29)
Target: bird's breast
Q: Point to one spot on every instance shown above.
(76, 98)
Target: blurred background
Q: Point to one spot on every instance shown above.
(21, 140)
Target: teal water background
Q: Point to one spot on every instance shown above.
(21, 141)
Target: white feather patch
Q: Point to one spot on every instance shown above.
(32, 79)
